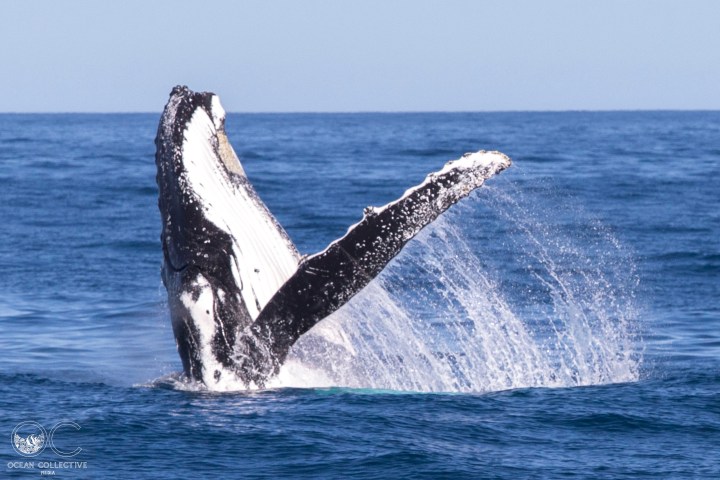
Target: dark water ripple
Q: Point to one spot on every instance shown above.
(545, 433)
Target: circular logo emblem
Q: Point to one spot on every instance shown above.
(28, 438)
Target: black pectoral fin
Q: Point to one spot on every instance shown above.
(326, 281)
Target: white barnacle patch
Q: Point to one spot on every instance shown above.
(370, 211)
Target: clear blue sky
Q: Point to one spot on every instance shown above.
(388, 55)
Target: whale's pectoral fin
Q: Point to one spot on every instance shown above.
(327, 280)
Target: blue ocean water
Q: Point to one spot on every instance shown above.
(570, 307)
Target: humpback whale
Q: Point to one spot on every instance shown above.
(239, 293)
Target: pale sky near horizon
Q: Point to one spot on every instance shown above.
(391, 55)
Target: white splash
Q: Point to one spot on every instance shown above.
(526, 306)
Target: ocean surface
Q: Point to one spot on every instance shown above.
(562, 321)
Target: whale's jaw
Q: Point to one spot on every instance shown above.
(239, 293)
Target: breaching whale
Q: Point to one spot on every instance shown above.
(239, 293)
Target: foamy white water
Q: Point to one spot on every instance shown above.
(523, 306)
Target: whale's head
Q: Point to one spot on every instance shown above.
(196, 171)
(225, 255)
(194, 157)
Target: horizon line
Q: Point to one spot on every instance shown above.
(375, 112)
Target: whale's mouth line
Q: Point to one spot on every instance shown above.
(250, 288)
